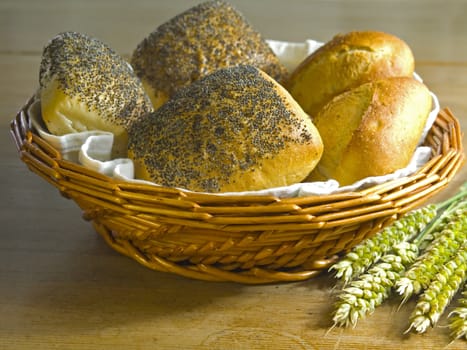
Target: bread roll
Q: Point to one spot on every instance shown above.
(233, 130)
(85, 85)
(204, 38)
(371, 130)
(345, 62)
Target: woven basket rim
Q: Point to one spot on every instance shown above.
(247, 239)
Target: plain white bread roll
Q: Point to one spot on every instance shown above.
(345, 62)
(85, 85)
(371, 130)
(236, 129)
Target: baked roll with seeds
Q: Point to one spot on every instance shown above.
(204, 38)
(85, 85)
(236, 129)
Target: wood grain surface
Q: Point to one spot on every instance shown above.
(62, 287)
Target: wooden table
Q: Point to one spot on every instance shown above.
(62, 287)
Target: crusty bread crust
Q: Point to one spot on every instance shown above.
(345, 62)
(371, 130)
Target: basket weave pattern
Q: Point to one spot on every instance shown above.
(245, 239)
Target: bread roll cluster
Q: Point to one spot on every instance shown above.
(204, 103)
(360, 91)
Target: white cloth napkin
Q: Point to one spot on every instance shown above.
(92, 149)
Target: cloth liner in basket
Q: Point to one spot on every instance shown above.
(281, 234)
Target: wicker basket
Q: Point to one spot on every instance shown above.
(247, 239)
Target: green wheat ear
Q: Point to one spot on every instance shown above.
(445, 244)
(458, 318)
(434, 300)
(365, 254)
(369, 290)
(390, 260)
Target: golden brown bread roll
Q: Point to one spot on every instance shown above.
(234, 130)
(204, 38)
(371, 130)
(345, 62)
(85, 85)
